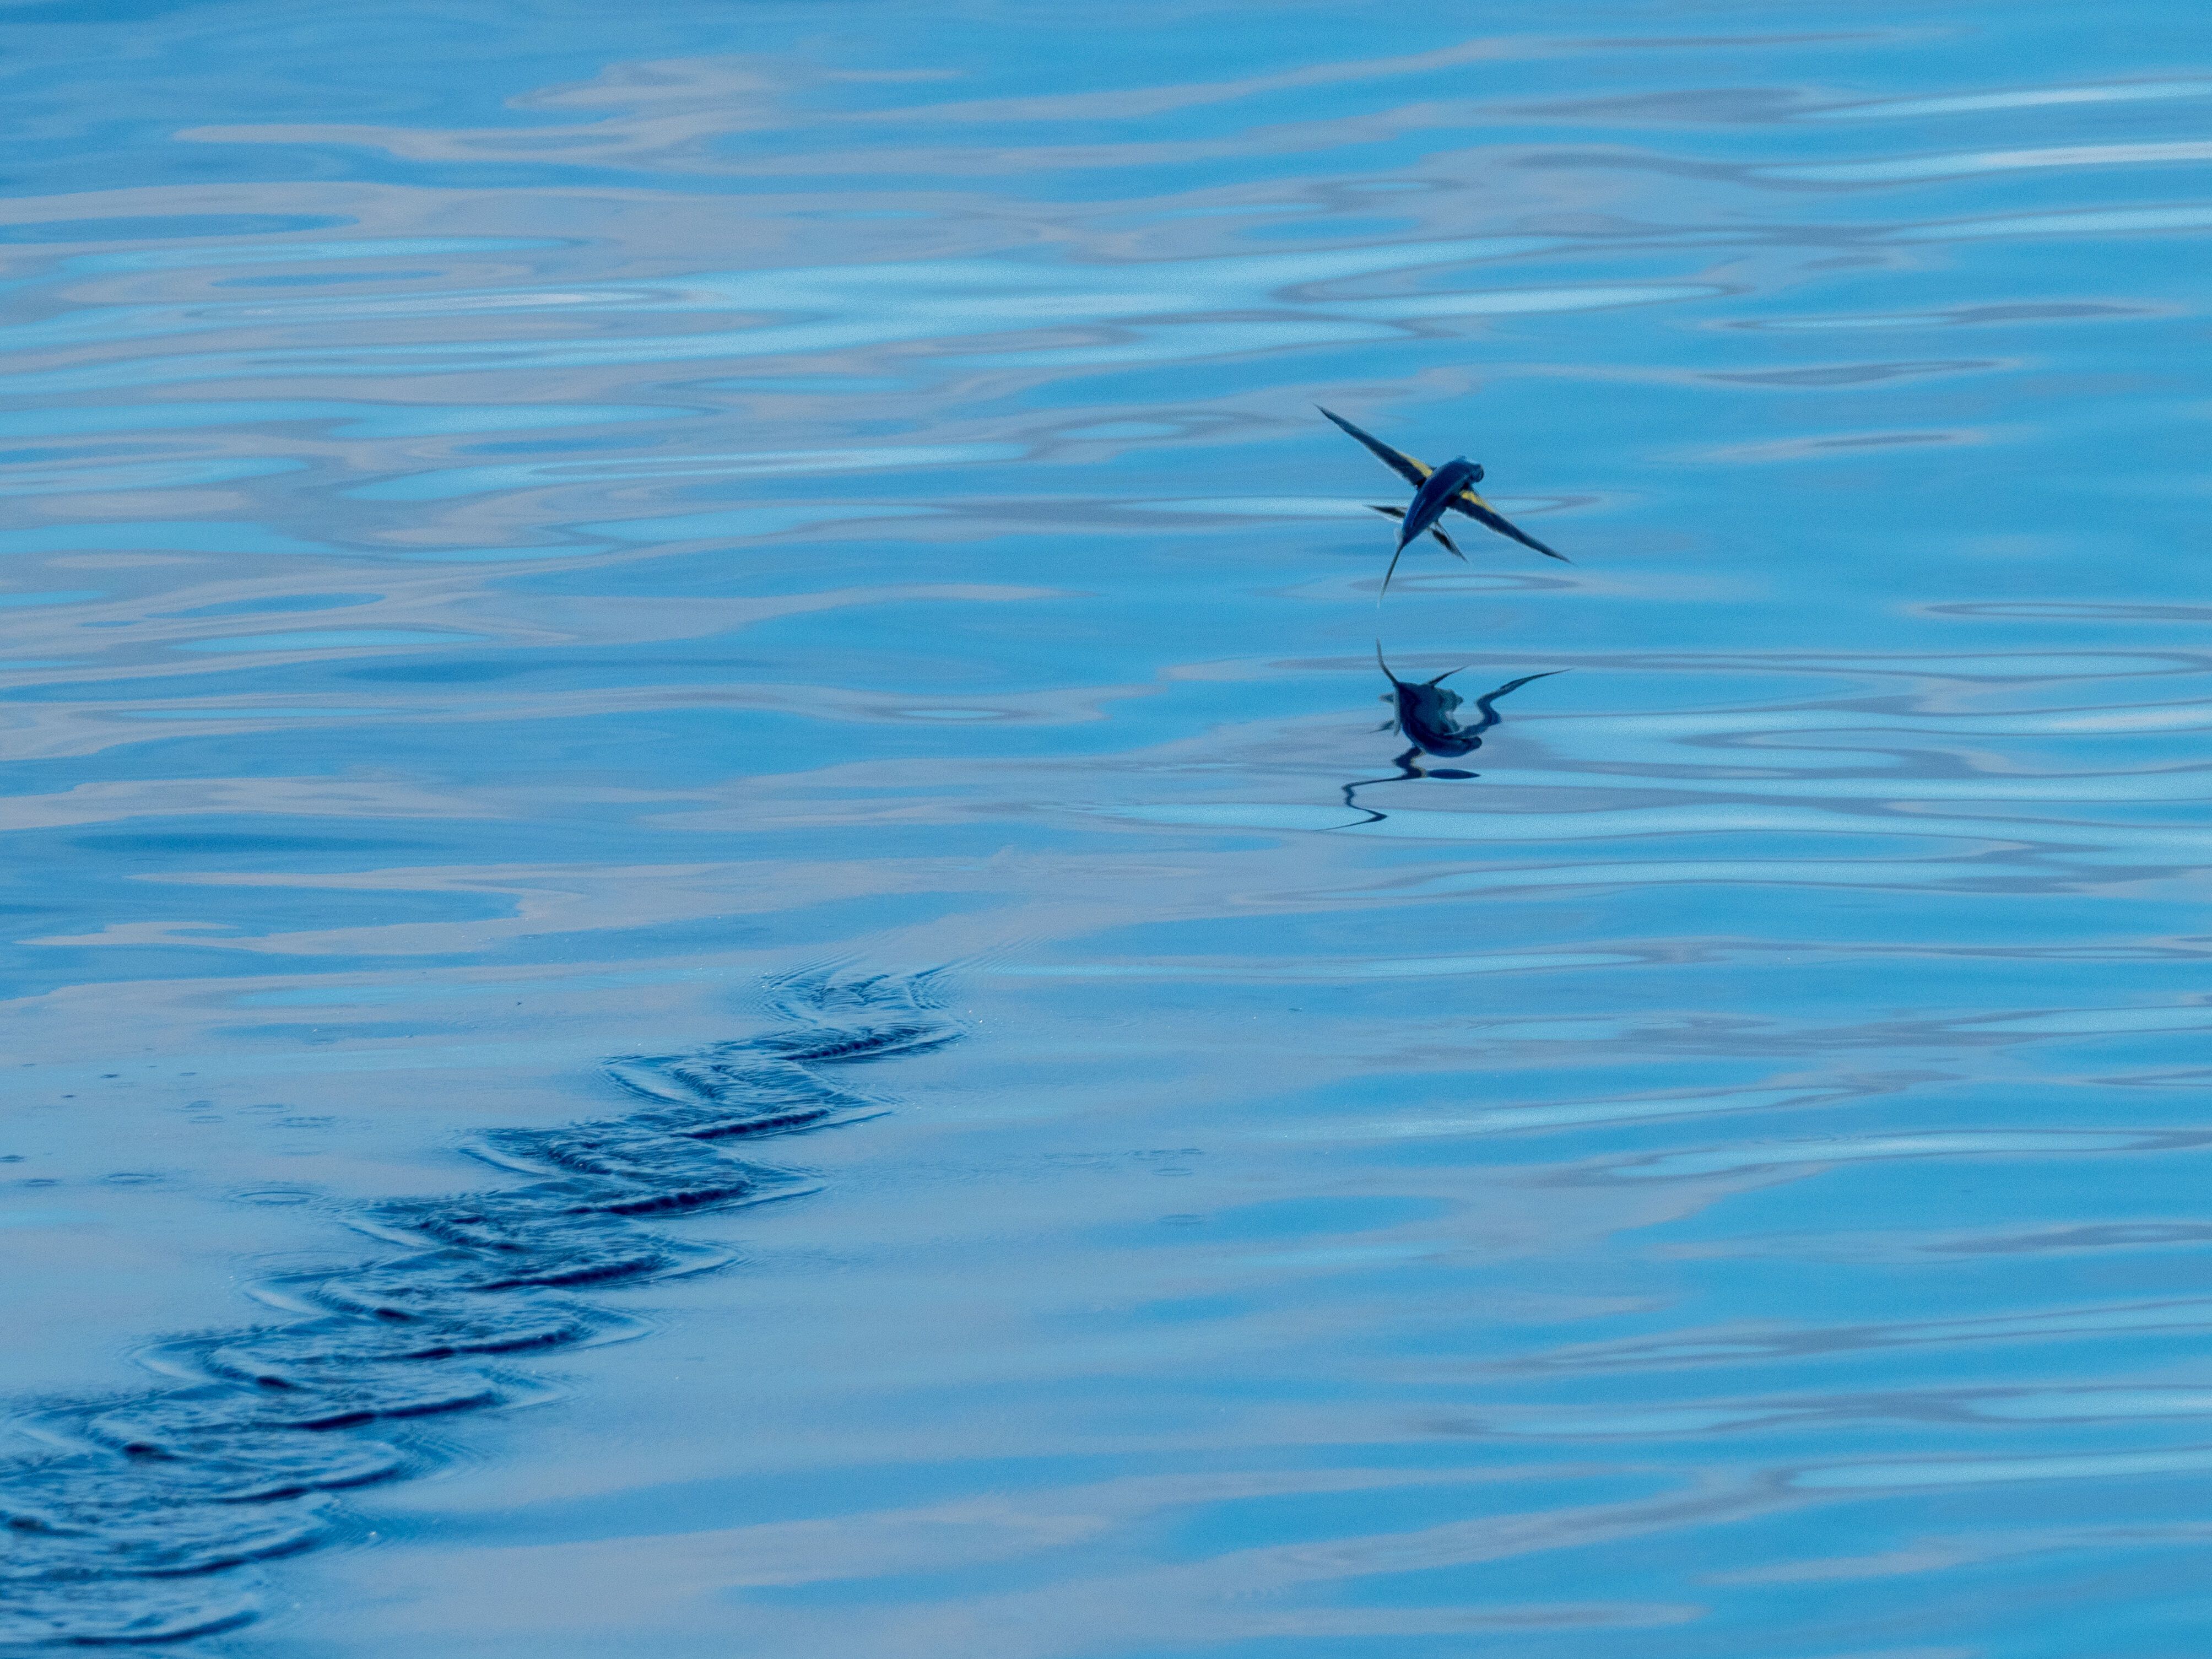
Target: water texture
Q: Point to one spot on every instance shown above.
(126, 1529)
(527, 522)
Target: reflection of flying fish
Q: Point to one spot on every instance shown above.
(1428, 713)
(1437, 491)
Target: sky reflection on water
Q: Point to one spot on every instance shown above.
(528, 523)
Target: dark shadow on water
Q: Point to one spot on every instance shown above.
(1426, 712)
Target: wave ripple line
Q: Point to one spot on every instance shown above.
(136, 1519)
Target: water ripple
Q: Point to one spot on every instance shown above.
(520, 529)
(132, 1523)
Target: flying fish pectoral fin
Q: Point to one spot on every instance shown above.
(1482, 512)
(1490, 716)
(1526, 679)
(1412, 471)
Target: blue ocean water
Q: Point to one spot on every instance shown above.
(526, 523)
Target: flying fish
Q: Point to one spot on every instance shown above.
(1437, 491)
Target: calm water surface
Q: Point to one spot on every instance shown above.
(525, 520)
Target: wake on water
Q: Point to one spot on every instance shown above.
(135, 1519)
